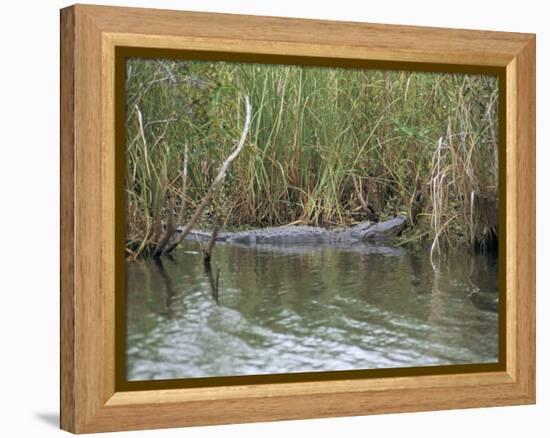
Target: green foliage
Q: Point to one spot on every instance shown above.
(312, 129)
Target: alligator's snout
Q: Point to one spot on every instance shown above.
(385, 230)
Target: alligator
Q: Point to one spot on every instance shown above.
(368, 232)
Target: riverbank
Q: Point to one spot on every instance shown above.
(326, 147)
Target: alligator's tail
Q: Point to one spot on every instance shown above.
(202, 236)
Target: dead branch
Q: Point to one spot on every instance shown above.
(367, 208)
(210, 246)
(417, 203)
(145, 147)
(168, 232)
(216, 183)
(359, 194)
(214, 282)
(184, 187)
(158, 208)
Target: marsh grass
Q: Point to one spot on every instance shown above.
(313, 130)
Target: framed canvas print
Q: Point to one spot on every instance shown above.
(267, 218)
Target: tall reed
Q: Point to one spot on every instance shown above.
(313, 129)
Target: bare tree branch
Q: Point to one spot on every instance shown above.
(210, 245)
(359, 194)
(184, 187)
(368, 208)
(145, 147)
(216, 183)
(168, 232)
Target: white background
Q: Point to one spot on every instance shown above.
(29, 218)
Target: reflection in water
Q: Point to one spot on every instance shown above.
(167, 288)
(312, 308)
(214, 282)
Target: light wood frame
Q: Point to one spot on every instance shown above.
(89, 36)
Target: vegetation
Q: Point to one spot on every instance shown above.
(325, 145)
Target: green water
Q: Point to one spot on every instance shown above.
(300, 309)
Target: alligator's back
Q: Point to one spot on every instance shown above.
(282, 235)
(303, 234)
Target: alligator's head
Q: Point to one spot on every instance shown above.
(384, 230)
(358, 231)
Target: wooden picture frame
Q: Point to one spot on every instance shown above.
(92, 399)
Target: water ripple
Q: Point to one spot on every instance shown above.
(313, 309)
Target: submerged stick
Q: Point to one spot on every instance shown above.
(210, 246)
(169, 291)
(214, 282)
(216, 183)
